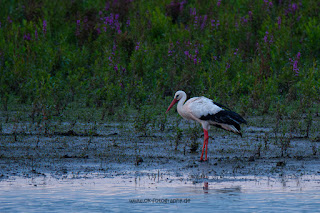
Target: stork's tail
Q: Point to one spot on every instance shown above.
(226, 119)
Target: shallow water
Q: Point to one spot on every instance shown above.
(151, 193)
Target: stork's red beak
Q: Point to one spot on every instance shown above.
(171, 105)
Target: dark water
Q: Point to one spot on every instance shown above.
(141, 194)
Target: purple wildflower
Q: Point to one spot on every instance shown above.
(117, 24)
(218, 3)
(204, 21)
(137, 46)
(298, 18)
(78, 28)
(36, 34)
(113, 21)
(215, 58)
(128, 23)
(235, 53)
(193, 11)
(295, 68)
(27, 37)
(268, 4)
(195, 60)
(294, 7)
(195, 21)
(244, 20)
(227, 67)
(116, 68)
(279, 22)
(268, 38)
(271, 39)
(213, 23)
(9, 19)
(265, 38)
(107, 6)
(170, 49)
(181, 5)
(107, 20)
(44, 26)
(294, 62)
(298, 55)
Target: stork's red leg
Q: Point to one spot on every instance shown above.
(206, 139)
(205, 145)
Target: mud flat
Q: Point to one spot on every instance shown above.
(116, 149)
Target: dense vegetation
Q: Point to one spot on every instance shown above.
(257, 56)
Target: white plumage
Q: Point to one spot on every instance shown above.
(201, 106)
(206, 112)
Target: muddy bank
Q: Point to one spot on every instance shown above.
(116, 149)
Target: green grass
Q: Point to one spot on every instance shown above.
(124, 55)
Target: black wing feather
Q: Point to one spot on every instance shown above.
(225, 117)
(222, 106)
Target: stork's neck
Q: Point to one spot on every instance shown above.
(180, 103)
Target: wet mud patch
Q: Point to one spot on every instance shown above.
(101, 149)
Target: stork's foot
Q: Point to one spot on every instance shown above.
(205, 160)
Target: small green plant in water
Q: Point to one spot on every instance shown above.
(178, 137)
(308, 121)
(193, 134)
(143, 119)
(284, 145)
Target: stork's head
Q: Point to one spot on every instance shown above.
(179, 94)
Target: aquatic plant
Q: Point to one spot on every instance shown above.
(143, 119)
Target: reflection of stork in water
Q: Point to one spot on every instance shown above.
(205, 187)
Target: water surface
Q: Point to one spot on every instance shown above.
(151, 193)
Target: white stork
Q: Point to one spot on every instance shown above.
(207, 112)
